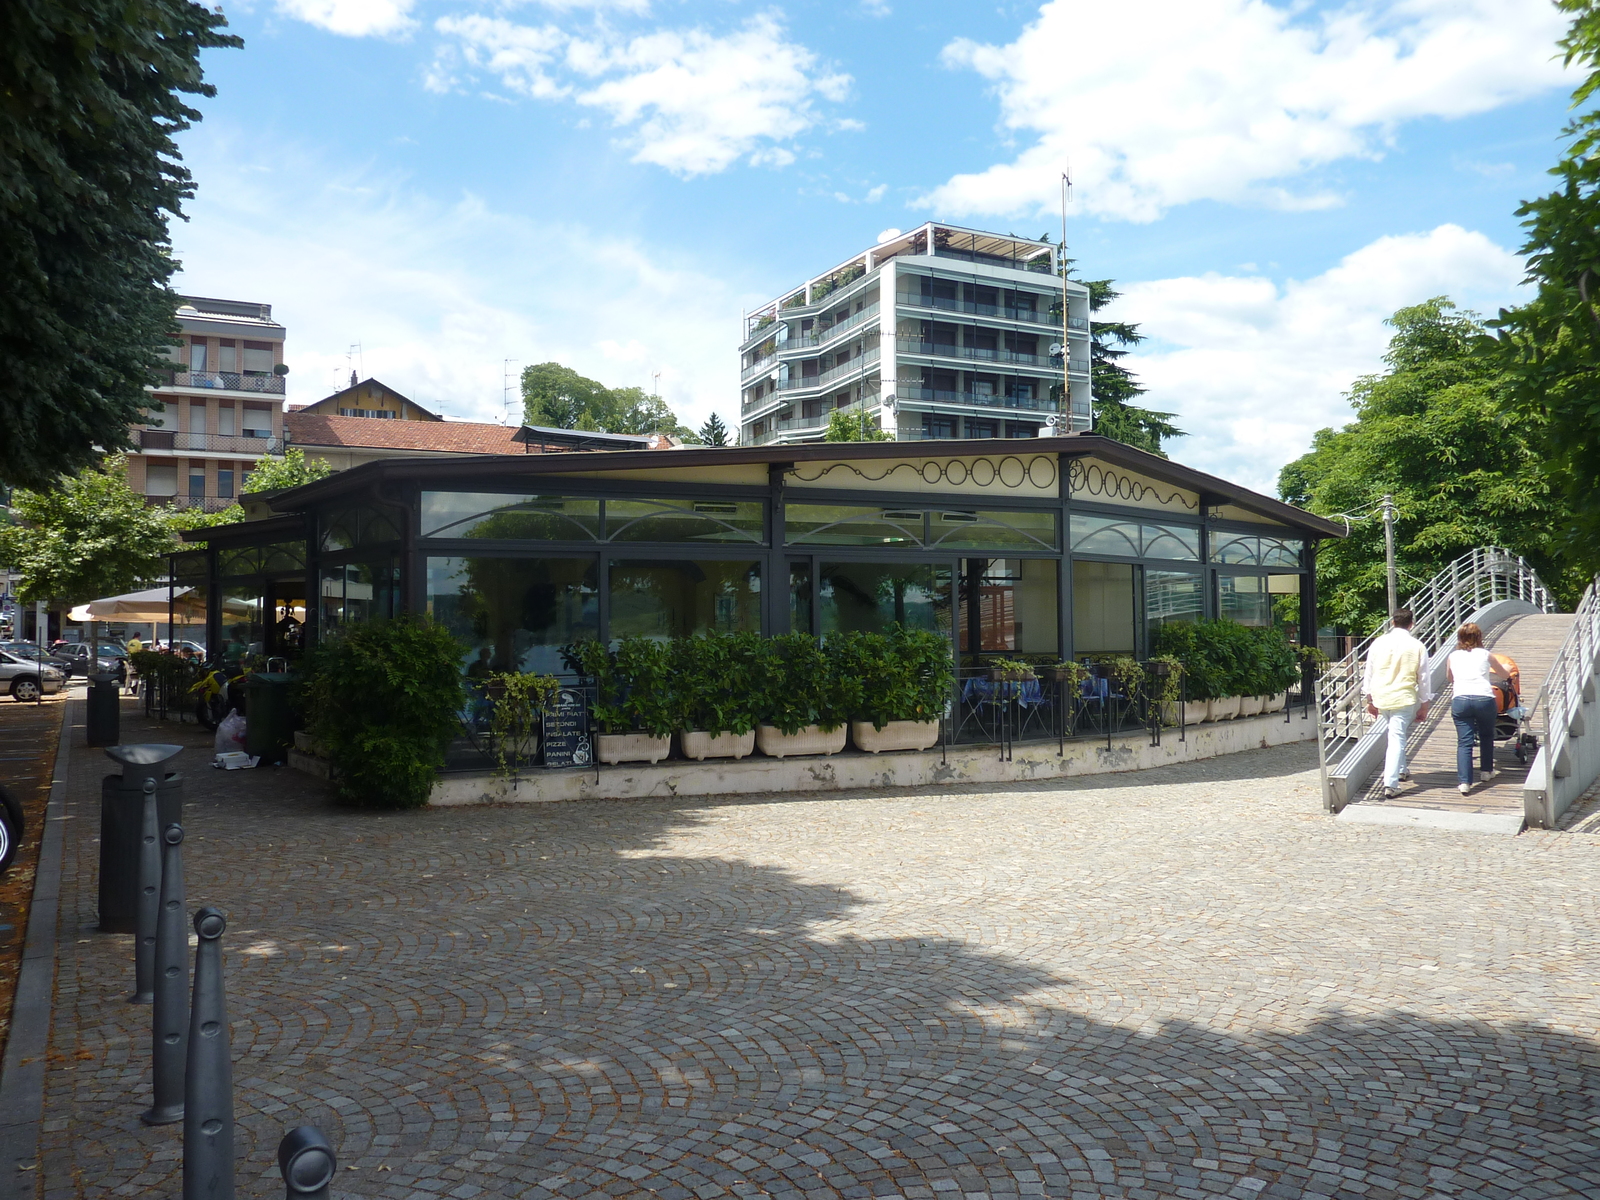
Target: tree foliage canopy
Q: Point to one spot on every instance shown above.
(714, 432)
(89, 537)
(558, 397)
(1550, 347)
(848, 425)
(90, 98)
(290, 471)
(1433, 431)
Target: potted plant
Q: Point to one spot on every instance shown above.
(1207, 666)
(519, 702)
(1165, 672)
(633, 708)
(1010, 670)
(805, 710)
(1067, 674)
(897, 685)
(715, 678)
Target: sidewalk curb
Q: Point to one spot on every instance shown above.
(23, 1069)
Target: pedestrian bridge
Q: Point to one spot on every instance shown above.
(1556, 654)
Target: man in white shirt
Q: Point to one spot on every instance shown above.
(1396, 687)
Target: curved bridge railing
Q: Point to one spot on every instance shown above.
(1568, 761)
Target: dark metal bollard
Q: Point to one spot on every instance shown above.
(121, 821)
(307, 1163)
(144, 940)
(208, 1075)
(169, 1028)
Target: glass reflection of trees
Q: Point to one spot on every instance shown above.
(678, 598)
(871, 596)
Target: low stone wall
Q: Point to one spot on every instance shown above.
(850, 771)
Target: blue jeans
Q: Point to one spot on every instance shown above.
(1474, 718)
(1399, 728)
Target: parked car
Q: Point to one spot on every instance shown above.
(11, 827)
(73, 659)
(26, 678)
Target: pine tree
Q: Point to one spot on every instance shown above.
(714, 432)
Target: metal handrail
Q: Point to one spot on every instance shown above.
(1478, 578)
(1570, 677)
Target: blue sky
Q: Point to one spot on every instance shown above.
(609, 183)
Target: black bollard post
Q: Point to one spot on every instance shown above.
(307, 1163)
(169, 1029)
(144, 944)
(208, 1074)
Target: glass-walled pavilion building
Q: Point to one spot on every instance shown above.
(1063, 546)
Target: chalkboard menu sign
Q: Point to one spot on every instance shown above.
(566, 731)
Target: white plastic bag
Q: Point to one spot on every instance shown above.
(230, 734)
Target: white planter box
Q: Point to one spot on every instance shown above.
(699, 745)
(1194, 712)
(1222, 710)
(895, 735)
(1276, 703)
(1249, 706)
(632, 747)
(809, 740)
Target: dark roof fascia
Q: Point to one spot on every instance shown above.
(269, 528)
(1077, 445)
(545, 433)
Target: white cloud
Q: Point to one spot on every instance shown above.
(691, 101)
(1253, 369)
(353, 18)
(1162, 103)
(440, 293)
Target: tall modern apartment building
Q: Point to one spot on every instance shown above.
(218, 410)
(941, 332)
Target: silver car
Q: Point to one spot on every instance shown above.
(25, 679)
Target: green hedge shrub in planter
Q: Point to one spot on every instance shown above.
(632, 684)
(901, 675)
(715, 681)
(385, 698)
(800, 686)
(1223, 658)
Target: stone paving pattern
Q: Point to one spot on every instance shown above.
(1183, 982)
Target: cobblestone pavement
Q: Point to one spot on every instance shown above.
(1187, 982)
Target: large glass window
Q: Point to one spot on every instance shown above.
(1285, 593)
(1134, 539)
(347, 528)
(1251, 550)
(871, 596)
(847, 525)
(243, 630)
(1009, 605)
(1102, 608)
(800, 597)
(498, 515)
(360, 591)
(1171, 598)
(515, 614)
(999, 531)
(1245, 599)
(684, 521)
(671, 598)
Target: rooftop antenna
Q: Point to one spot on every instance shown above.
(505, 392)
(655, 384)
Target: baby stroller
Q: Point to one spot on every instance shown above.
(1510, 722)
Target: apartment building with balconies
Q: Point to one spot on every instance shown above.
(941, 332)
(218, 409)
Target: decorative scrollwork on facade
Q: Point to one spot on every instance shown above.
(1092, 479)
(1010, 471)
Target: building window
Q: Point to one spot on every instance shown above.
(1245, 599)
(1102, 608)
(938, 427)
(197, 356)
(664, 598)
(510, 614)
(160, 479)
(980, 429)
(844, 525)
(197, 485)
(257, 422)
(225, 420)
(1021, 429)
(1134, 539)
(501, 515)
(227, 357)
(197, 419)
(1248, 550)
(225, 483)
(258, 358)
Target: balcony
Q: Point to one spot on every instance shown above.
(978, 354)
(846, 370)
(210, 504)
(979, 399)
(803, 426)
(824, 336)
(1032, 315)
(224, 381)
(246, 445)
(756, 368)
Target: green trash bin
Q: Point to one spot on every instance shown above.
(269, 726)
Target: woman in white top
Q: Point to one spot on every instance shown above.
(1472, 672)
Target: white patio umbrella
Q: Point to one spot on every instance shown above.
(142, 607)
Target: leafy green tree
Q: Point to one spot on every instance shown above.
(558, 397)
(1550, 347)
(92, 536)
(90, 100)
(1435, 432)
(848, 425)
(290, 471)
(714, 432)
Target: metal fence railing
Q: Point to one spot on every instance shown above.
(1559, 774)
